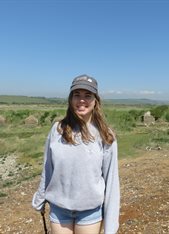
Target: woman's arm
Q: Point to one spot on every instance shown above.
(112, 189)
(38, 200)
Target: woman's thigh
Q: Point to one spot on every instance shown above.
(88, 229)
(57, 228)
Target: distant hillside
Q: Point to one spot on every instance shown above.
(9, 99)
(135, 102)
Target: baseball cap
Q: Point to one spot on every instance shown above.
(84, 82)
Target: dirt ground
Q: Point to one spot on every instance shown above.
(144, 199)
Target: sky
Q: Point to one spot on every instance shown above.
(123, 44)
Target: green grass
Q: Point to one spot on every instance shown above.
(132, 144)
(27, 143)
(3, 194)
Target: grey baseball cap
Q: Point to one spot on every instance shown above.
(84, 82)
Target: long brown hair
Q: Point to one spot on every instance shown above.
(72, 120)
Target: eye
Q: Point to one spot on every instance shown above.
(76, 95)
(88, 96)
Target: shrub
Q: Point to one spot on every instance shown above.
(167, 116)
(43, 117)
(136, 114)
(17, 116)
(121, 120)
(159, 111)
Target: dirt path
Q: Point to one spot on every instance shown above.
(144, 199)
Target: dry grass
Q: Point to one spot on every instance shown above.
(144, 199)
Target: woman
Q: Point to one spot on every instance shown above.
(80, 178)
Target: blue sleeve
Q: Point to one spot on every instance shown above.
(38, 200)
(112, 189)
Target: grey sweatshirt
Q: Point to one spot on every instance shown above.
(81, 177)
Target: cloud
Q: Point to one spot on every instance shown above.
(112, 92)
(147, 92)
(134, 94)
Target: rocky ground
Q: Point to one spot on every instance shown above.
(144, 199)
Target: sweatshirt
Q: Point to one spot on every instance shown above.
(81, 176)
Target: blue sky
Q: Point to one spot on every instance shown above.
(124, 44)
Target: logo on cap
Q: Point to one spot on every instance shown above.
(84, 79)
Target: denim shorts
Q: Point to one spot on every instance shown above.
(65, 216)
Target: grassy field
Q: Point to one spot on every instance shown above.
(22, 145)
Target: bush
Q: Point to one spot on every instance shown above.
(136, 114)
(17, 116)
(167, 116)
(121, 120)
(43, 117)
(159, 111)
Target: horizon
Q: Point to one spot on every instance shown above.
(103, 98)
(122, 44)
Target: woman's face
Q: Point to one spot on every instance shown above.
(83, 102)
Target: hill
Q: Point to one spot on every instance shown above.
(14, 99)
(136, 102)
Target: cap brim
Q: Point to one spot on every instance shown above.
(86, 87)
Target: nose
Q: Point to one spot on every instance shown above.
(82, 99)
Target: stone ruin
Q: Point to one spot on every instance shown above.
(31, 120)
(148, 119)
(2, 120)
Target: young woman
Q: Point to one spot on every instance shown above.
(80, 179)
